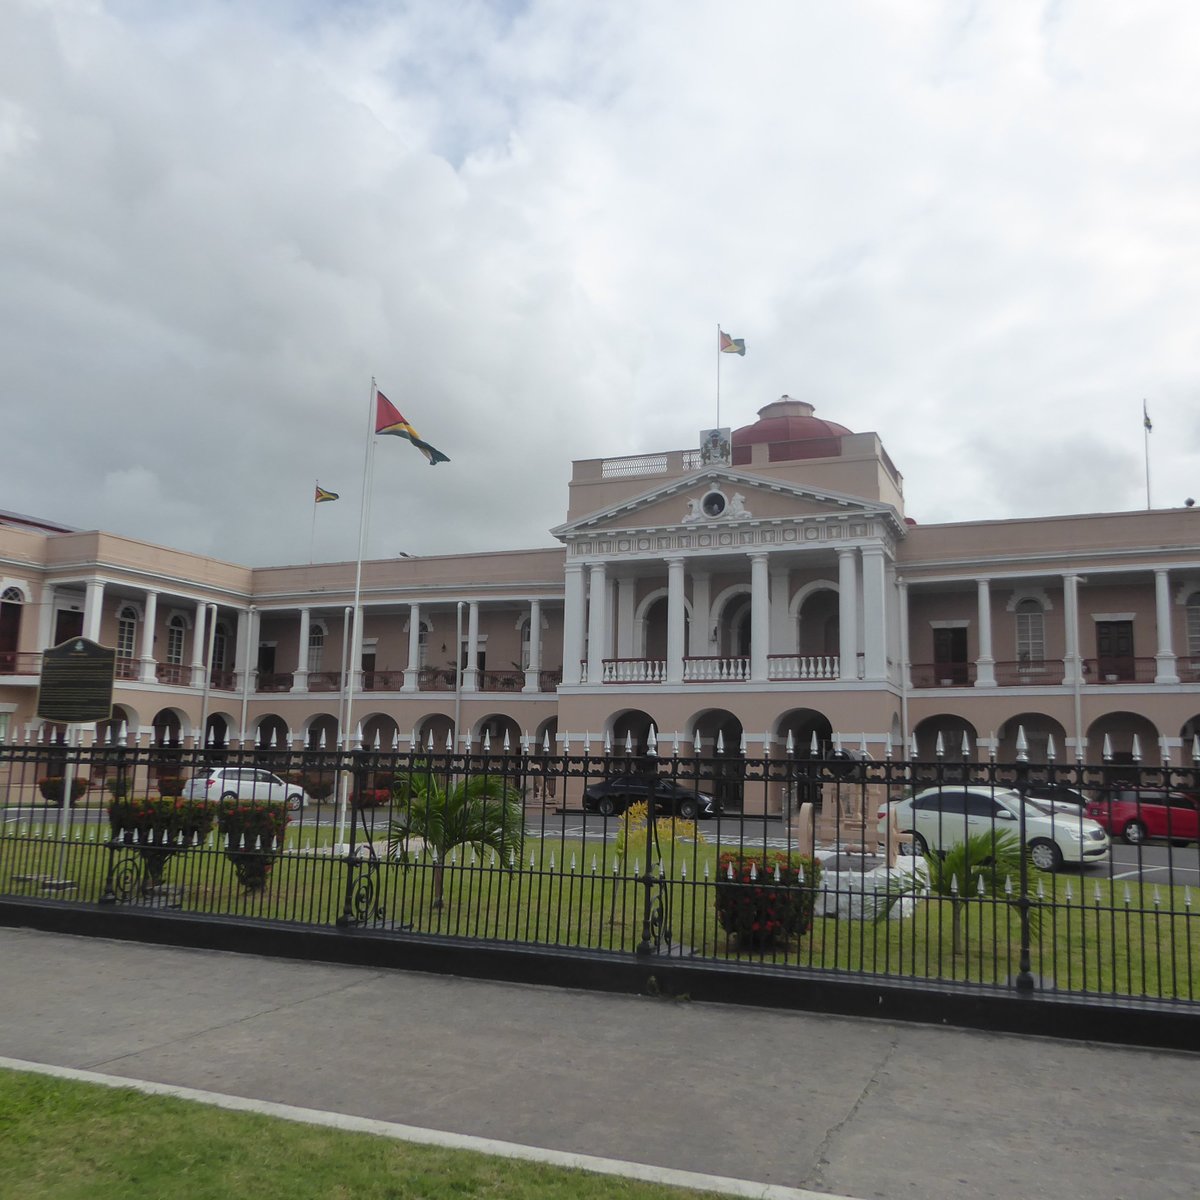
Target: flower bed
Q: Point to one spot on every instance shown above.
(766, 897)
(254, 836)
(159, 828)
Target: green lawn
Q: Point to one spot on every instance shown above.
(63, 1140)
(1100, 937)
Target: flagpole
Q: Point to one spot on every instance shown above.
(718, 425)
(356, 613)
(1146, 426)
(312, 540)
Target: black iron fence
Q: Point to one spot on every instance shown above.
(1065, 878)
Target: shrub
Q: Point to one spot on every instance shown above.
(320, 786)
(171, 785)
(51, 788)
(765, 897)
(117, 787)
(631, 835)
(164, 817)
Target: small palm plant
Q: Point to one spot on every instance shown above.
(982, 867)
(481, 811)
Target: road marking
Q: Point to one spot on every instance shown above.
(697, 1181)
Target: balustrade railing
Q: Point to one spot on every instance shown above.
(177, 674)
(325, 681)
(501, 681)
(274, 681)
(712, 668)
(803, 666)
(634, 670)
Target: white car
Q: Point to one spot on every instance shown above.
(243, 783)
(939, 818)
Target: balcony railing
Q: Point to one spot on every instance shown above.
(1122, 669)
(803, 666)
(1046, 672)
(501, 681)
(712, 668)
(382, 681)
(173, 674)
(13, 662)
(932, 675)
(548, 681)
(324, 681)
(275, 681)
(221, 680)
(128, 668)
(436, 679)
(633, 670)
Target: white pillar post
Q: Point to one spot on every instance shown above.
(533, 669)
(148, 668)
(847, 613)
(45, 630)
(784, 632)
(676, 622)
(760, 617)
(197, 664)
(701, 641)
(874, 614)
(597, 622)
(93, 609)
(985, 664)
(1166, 670)
(412, 670)
(573, 608)
(1072, 666)
(470, 675)
(300, 674)
(905, 661)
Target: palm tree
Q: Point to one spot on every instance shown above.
(982, 867)
(481, 811)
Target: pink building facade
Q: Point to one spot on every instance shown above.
(763, 590)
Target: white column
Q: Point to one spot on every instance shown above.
(573, 608)
(985, 664)
(241, 659)
(534, 669)
(597, 622)
(701, 640)
(470, 675)
(847, 613)
(905, 662)
(784, 632)
(46, 617)
(760, 617)
(253, 627)
(300, 674)
(93, 609)
(148, 672)
(197, 667)
(626, 597)
(676, 622)
(412, 672)
(1072, 667)
(874, 614)
(1166, 671)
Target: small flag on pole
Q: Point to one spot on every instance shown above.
(731, 345)
(1146, 422)
(389, 420)
(322, 495)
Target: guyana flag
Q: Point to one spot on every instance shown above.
(731, 345)
(389, 420)
(322, 495)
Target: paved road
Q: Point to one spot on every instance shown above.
(861, 1108)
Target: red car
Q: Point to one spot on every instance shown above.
(1136, 816)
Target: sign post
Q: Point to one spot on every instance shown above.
(76, 685)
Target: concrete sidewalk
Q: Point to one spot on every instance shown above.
(860, 1108)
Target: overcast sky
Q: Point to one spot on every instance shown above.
(973, 228)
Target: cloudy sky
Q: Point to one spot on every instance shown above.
(972, 227)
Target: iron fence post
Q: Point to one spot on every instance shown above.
(358, 766)
(1024, 974)
(649, 771)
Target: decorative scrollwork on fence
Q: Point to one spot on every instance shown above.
(125, 877)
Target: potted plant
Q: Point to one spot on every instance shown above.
(254, 837)
(171, 785)
(52, 788)
(765, 897)
(159, 828)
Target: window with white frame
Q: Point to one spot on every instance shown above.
(126, 632)
(1193, 624)
(316, 646)
(422, 648)
(526, 629)
(176, 629)
(1031, 634)
(220, 647)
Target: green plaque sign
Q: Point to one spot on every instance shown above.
(77, 682)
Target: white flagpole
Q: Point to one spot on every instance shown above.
(1146, 427)
(312, 539)
(718, 425)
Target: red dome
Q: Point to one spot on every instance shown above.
(791, 431)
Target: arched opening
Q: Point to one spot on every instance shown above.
(631, 728)
(955, 732)
(434, 731)
(380, 732)
(1039, 730)
(719, 733)
(12, 602)
(322, 732)
(810, 735)
(272, 733)
(817, 632)
(1120, 728)
(494, 728)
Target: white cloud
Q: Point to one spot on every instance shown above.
(969, 228)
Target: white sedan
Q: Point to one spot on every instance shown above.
(939, 818)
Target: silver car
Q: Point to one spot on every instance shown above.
(243, 783)
(939, 818)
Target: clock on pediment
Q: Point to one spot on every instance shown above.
(714, 505)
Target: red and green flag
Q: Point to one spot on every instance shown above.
(731, 345)
(323, 495)
(388, 419)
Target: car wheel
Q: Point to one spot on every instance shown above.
(227, 796)
(919, 843)
(1179, 842)
(688, 809)
(1045, 855)
(295, 802)
(1134, 833)
(605, 806)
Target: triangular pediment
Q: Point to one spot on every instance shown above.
(720, 497)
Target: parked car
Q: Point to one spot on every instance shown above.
(939, 818)
(243, 783)
(609, 796)
(1057, 793)
(1149, 813)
